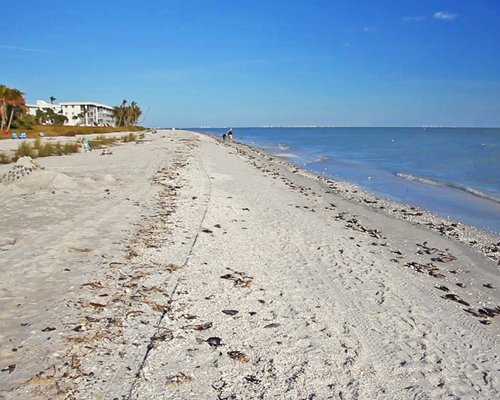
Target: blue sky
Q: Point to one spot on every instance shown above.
(254, 63)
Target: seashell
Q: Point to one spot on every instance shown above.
(178, 379)
(214, 341)
(239, 356)
(230, 312)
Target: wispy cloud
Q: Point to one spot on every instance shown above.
(444, 15)
(414, 18)
(2, 46)
(437, 15)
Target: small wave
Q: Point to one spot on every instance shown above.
(465, 189)
(282, 146)
(286, 155)
(321, 158)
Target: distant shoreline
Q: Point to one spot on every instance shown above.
(345, 127)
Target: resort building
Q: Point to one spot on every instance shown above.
(79, 113)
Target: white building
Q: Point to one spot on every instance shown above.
(79, 113)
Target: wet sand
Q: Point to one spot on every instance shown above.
(182, 267)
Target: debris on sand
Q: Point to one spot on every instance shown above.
(10, 368)
(239, 278)
(456, 298)
(230, 312)
(178, 379)
(214, 341)
(238, 356)
(429, 269)
(173, 267)
(163, 336)
(199, 327)
(80, 250)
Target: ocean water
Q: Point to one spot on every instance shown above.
(453, 172)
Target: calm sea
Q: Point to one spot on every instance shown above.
(453, 172)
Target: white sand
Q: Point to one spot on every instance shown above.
(121, 257)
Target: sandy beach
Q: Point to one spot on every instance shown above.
(181, 267)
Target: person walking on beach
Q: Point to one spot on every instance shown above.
(230, 134)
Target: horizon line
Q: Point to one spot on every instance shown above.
(345, 126)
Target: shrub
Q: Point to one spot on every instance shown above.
(25, 149)
(102, 140)
(37, 143)
(23, 121)
(71, 147)
(45, 150)
(58, 150)
(128, 138)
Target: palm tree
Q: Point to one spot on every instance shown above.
(123, 112)
(135, 112)
(3, 106)
(10, 99)
(117, 112)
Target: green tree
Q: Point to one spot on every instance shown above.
(135, 113)
(49, 116)
(11, 101)
(23, 120)
(126, 115)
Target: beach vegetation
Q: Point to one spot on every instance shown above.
(50, 117)
(127, 114)
(40, 149)
(71, 147)
(102, 141)
(25, 149)
(37, 143)
(11, 103)
(58, 150)
(23, 121)
(45, 150)
(129, 138)
(70, 131)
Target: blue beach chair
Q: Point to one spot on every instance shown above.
(23, 136)
(14, 135)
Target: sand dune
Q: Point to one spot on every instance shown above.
(186, 268)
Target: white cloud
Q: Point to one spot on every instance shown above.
(415, 18)
(21, 48)
(444, 15)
